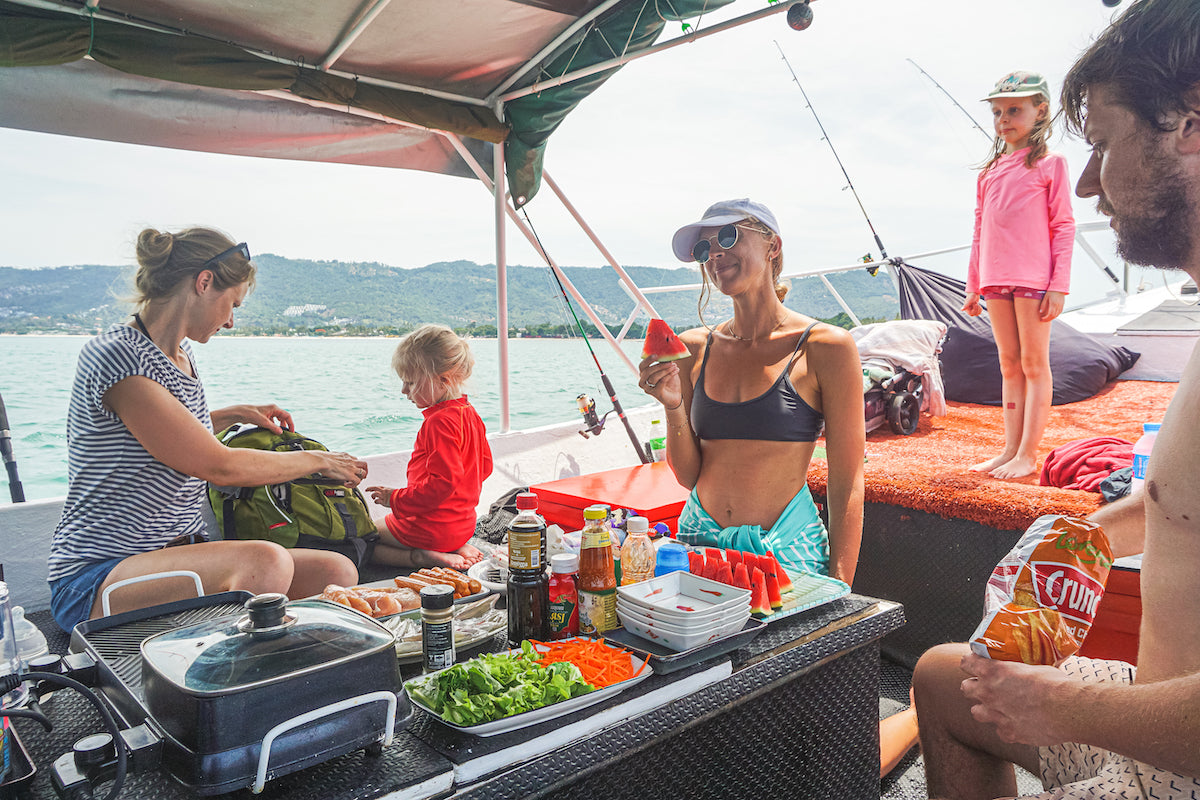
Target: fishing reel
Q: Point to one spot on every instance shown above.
(594, 423)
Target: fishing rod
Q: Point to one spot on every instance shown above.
(989, 136)
(587, 406)
(15, 489)
(825, 137)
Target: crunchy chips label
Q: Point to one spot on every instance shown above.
(1041, 598)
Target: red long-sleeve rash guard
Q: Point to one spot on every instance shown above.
(450, 461)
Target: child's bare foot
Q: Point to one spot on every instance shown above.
(471, 553)
(1017, 468)
(432, 558)
(992, 463)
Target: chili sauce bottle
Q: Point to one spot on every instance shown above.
(564, 596)
(597, 583)
(528, 587)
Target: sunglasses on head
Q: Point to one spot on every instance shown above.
(726, 238)
(240, 247)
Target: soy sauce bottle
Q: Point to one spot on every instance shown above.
(528, 587)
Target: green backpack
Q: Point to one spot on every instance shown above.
(308, 512)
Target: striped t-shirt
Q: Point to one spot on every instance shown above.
(121, 501)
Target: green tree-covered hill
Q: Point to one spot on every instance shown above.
(301, 296)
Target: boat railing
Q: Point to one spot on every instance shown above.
(1120, 285)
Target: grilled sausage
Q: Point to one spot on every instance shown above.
(412, 582)
(426, 574)
(460, 580)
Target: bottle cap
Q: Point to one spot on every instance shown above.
(437, 597)
(527, 501)
(564, 563)
(595, 512)
(637, 525)
(1151, 427)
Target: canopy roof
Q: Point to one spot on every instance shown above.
(375, 82)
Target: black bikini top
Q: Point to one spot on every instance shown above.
(777, 415)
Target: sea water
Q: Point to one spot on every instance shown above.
(340, 391)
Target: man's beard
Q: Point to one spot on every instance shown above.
(1159, 232)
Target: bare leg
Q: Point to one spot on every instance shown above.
(254, 566)
(964, 759)
(1039, 388)
(897, 735)
(1008, 347)
(316, 569)
(393, 554)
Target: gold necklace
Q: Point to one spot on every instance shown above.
(729, 330)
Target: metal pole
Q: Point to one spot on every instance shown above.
(500, 204)
(15, 489)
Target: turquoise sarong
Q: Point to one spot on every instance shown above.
(798, 538)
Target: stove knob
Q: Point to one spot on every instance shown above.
(92, 751)
(51, 662)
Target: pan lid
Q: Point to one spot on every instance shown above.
(275, 640)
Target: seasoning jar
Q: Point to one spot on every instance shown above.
(597, 583)
(437, 627)
(564, 596)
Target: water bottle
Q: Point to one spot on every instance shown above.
(10, 658)
(658, 440)
(31, 642)
(1141, 456)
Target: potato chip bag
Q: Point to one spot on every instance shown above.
(1041, 598)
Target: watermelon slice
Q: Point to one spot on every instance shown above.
(785, 581)
(733, 556)
(695, 563)
(771, 570)
(710, 567)
(662, 344)
(741, 578)
(725, 573)
(760, 606)
(714, 554)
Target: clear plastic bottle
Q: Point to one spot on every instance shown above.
(10, 659)
(637, 554)
(31, 642)
(1141, 455)
(658, 440)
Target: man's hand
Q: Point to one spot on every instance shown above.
(1016, 698)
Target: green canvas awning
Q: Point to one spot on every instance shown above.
(337, 81)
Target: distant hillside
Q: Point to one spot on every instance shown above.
(304, 296)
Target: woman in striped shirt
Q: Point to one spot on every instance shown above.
(141, 448)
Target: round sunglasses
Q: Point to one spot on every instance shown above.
(726, 238)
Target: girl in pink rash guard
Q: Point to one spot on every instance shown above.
(1021, 261)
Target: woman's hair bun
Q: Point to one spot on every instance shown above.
(154, 247)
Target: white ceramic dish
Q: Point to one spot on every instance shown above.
(539, 715)
(685, 620)
(682, 594)
(738, 618)
(675, 641)
(482, 571)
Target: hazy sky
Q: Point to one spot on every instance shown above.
(648, 152)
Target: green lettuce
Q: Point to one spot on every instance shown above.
(493, 686)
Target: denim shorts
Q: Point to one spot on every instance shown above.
(1009, 292)
(72, 597)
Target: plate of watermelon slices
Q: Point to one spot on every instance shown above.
(775, 592)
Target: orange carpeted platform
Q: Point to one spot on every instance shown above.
(928, 471)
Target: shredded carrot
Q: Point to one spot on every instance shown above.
(599, 664)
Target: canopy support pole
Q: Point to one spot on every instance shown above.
(500, 204)
(498, 179)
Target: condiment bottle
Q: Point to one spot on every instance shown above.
(637, 554)
(564, 596)
(528, 587)
(1141, 455)
(597, 584)
(437, 627)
